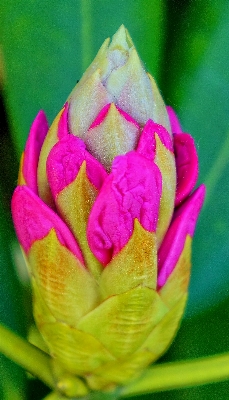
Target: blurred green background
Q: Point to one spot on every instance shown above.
(44, 48)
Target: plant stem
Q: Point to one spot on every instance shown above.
(162, 377)
(26, 355)
(180, 375)
(103, 395)
(54, 396)
(90, 396)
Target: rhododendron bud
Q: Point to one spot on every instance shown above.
(105, 214)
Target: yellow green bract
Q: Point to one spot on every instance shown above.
(104, 319)
(106, 332)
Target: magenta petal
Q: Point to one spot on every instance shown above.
(174, 121)
(132, 190)
(33, 146)
(63, 123)
(186, 164)
(127, 116)
(102, 114)
(183, 224)
(65, 160)
(147, 144)
(100, 117)
(33, 220)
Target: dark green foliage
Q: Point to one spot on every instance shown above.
(46, 45)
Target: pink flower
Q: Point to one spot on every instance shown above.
(105, 214)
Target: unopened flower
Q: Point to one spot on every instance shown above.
(105, 215)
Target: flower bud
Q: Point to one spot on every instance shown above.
(105, 214)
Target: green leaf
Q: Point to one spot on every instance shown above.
(10, 387)
(145, 21)
(201, 336)
(198, 87)
(180, 374)
(40, 46)
(47, 46)
(12, 382)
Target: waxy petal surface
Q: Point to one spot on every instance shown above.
(67, 288)
(177, 283)
(160, 115)
(64, 162)
(79, 352)
(62, 130)
(187, 165)
(147, 144)
(132, 190)
(116, 134)
(35, 219)
(122, 322)
(156, 144)
(51, 139)
(75, 177)
(162, 335)
(74, 204)
(103, 113)
(28, 170)
(41, 312)
(85, 103)
(165, 161)
(155, 345)
(105, 218)
(119, 371)
(134, 265)
(130, 86)
(174, 121)
(183, 224)
(98, 65)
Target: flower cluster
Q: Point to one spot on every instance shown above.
(105, 214)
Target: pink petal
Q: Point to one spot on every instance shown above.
(132, 190)
(63, 123)
(183, 224)
(147, 144)
(33, 146)
(186, 164)
(65, 160)
(174, 121)
(33, 220)
(102, 115)
(127, 116)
